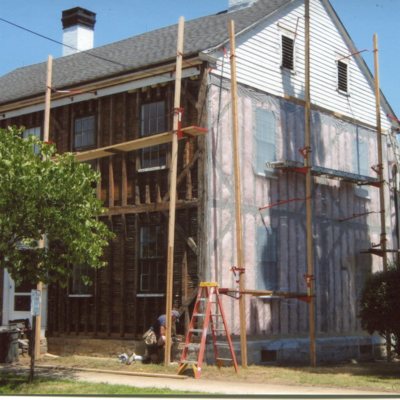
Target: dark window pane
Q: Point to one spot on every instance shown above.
(84, 135)
(79, 275)
(24, 287)
(22, 303)
(153, 122)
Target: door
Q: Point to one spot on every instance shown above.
(17, 300)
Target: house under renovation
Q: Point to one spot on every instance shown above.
(125, 91)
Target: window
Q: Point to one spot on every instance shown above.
(22, 296)
(265, 146)
(152, 263)
(361, 155)
(287, 52)
(342, 70)
(152, 122)
(81, 282)
(33, 132)
(84, 132)
(267, 259)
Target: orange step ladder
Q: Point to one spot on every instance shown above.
(207, 313)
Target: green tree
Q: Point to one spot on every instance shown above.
(45, 193)
(380, 305)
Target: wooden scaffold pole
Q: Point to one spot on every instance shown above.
(238, 199)
(42, 244)
(381, 177)
(308, 163)
(172, 195)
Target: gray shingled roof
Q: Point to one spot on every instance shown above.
(135, 53)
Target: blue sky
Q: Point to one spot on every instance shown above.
(119, 19)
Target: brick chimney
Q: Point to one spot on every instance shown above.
(238, 4)
(78, 30)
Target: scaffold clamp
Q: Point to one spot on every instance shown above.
(237, 271)
(179, 112)
(304, 151)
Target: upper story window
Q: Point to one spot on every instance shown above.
(343, 76)
(287, 52)
(361, 161)
(153, 121)
(265, 139)
(85, 132)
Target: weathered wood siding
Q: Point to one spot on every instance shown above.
(259, 62)
(340, 267)
(135, 198)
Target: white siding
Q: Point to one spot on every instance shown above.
(259, 58)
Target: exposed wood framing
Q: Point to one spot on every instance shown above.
(117, 307)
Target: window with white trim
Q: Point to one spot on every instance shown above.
(265, 139)
(153, 121)
(361, 162)
(152, 259)
(22, 296)
(84, 132)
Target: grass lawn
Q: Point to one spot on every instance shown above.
(374, 376)
(11, 384)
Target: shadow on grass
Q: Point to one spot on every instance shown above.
(378, 369)
(14, 376)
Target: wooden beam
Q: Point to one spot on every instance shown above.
(110, 270)
(308, 164)
(123, 306)
(381, 177)
(42, 242)
(238, 197)
(173, 175)
(137, 144)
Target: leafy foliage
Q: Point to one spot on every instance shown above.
(380, 304)
(44, 193)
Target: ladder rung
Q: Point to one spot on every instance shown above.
(199, 315)
(195, 330)
(189, 362)
(193, 345)
(222, 344)
(224, 359)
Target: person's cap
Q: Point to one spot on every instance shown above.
(175, 314)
